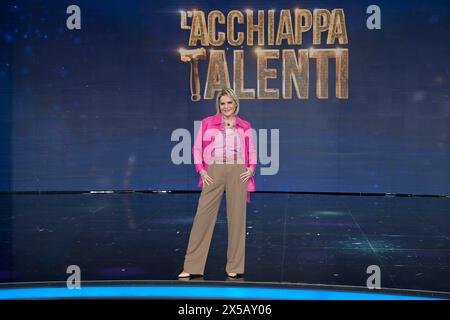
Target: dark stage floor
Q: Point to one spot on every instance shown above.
(292, 238)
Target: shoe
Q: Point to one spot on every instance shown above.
(188, 275)
(232, 275)
(184, 275)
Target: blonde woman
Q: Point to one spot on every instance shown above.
(225, 158)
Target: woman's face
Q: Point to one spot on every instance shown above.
(227, 106)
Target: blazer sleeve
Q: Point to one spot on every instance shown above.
(197, 149)
(252, 157)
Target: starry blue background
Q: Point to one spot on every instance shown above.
(94, 109)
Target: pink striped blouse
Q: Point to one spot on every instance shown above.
(227, 146)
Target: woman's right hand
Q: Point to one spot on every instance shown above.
(206, 178)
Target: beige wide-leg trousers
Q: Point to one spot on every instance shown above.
(225, 178)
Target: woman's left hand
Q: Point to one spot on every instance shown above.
(246, 175)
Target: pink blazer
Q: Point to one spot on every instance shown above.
(203, 146)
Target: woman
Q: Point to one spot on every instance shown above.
(225, 158)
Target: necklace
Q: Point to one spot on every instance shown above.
(228, 122)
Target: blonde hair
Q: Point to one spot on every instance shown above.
(227, 92)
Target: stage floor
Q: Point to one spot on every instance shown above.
(291, 238)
